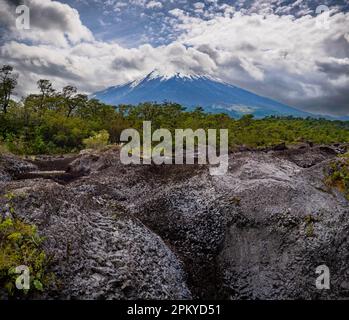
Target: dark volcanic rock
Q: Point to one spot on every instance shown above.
(98, 250)
(258, 232)
(280, 147)
(307, 157)
(11, 166)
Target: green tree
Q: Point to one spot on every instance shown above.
(8, 82)
(46, 91)
(72, 100)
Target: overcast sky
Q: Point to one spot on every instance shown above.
(276, 48)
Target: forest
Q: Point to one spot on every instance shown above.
(65, 121)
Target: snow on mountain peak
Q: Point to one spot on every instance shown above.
(192, 90)
(156, 74)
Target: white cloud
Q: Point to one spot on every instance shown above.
(284, 57)
(251, 69)
(177, 13)
(278, 56)
(96, 65)
(199, 7)
(50, 22)
(154, 5)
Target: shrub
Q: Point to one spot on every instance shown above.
(15, 144)
(20, 244)
(309, 226)
(3, 148)
(338, 175)
(97, 141)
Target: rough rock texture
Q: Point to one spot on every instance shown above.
(11, 166)
(270, 251)
(258, 232)
(98, 250)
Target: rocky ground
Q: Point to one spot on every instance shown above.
(176, 232)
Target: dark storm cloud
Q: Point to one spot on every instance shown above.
(334, 70)
(7, 11)
(48, 18)
(15, 2)
(39, 65)
(128, 63)
(335, 104)
(209, 51)
(338, 47)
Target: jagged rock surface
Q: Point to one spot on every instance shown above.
(258, 232)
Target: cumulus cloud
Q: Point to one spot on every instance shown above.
(50, 22)
(285, 57)
(96, 65)
(290, 59)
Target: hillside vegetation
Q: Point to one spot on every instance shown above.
(64, 121)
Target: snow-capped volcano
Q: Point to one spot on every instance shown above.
(191, 90)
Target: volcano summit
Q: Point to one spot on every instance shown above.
(191, 91)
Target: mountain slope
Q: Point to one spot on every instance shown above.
(192, 91)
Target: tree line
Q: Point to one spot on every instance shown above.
(59, 121)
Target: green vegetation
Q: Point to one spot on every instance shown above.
(20, 245)
(236, 201)
(66, 121)
(97, 141)
(309, 226)
(338, 175)
(3, 148)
